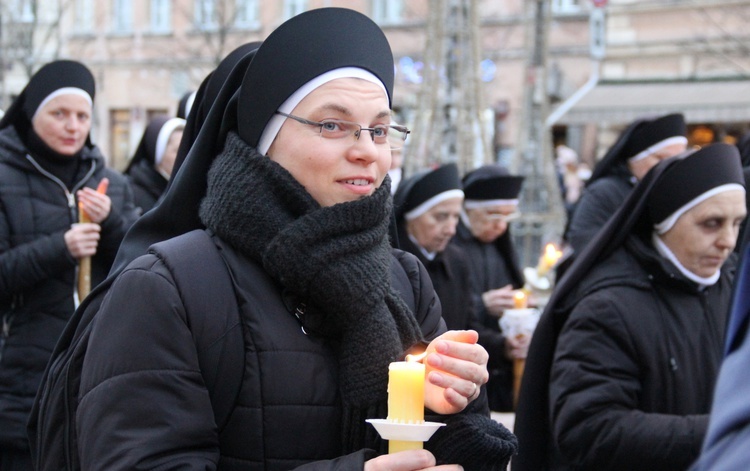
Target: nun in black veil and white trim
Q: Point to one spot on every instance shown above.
(638, 148)
(298, 203)
(48, 167)
(151, 166)
(622, 365)
(209, 92)
(177, 211)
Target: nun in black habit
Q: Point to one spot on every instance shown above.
(48, 167)
(638, 148)
(209, 91)
(318, 249)
(176, 214)
(427, 207)
(491, 202)
(622, 365)
(151, 166)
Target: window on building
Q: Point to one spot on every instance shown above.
(205, 14)
(161, 16)
(119, 137)
(294, 7)
(84, 15)
(247, 14)
(122, 16)
(387, 11)
(566, 6)
(21, 11)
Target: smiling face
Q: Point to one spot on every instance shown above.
(336, 170)
(64, 123)
(705, 235)
(435, 228)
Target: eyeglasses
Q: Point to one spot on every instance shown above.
(502, 217)
(337, 129)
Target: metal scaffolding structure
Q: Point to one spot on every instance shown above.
(541, 205)
(448, 125)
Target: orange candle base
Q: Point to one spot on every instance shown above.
(394, 446)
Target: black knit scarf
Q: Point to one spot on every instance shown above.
(336, 260)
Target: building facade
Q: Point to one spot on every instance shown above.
(659, 56)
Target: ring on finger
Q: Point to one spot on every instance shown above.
(474, 393)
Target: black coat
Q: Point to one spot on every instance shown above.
(38, 273)
(153, 361)
(598, 202)
(451, 277)
(147, 183)
(491, 266)
(635, 365)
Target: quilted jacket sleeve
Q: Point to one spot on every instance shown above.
(143, 402)
(595, 385)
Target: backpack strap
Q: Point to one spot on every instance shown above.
(207, 289)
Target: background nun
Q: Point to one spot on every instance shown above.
(298, 203)
(640, 146)
(622, 365)
(176, 214)
(484, 234)
(151, 166)
(48, 166)
(427, 208)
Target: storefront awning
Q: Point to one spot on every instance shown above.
(608, 104)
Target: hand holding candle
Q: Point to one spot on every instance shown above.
(95, 205)
(456, 366)
(518, 326)
(102, 207)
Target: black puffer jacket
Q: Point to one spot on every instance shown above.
(161, 370)
(635, 366)
(598, 202)
(491, 266)
(37, 272)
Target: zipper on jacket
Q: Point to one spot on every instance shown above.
(7, 323)
(299, 313)
(69, 195)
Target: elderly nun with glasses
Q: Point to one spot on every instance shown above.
(491, 203)
(297, 202)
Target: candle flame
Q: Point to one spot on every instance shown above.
(552, 253)
(548, 259)
(519, 300)
(417, 358)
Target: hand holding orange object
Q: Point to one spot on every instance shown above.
(455, 367)
(94, 204)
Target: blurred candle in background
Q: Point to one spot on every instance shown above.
(520, 299)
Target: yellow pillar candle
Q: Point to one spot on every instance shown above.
(405, 399)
